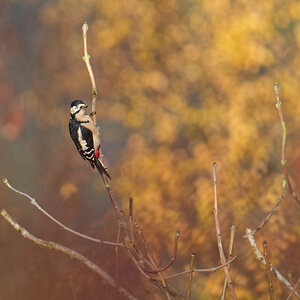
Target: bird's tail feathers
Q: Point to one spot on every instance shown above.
(101, 167)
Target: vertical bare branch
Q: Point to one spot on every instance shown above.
(189, 287)
(231, 241)
(268, 270)
(117, 258)
(283, 145)
(218, 230)
(131, 224)
(86, 59)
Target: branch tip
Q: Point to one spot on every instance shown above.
(276, 88)
(130, 207)
(85, 27)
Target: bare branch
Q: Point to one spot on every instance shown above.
(213, 269)
(68, 251)
(127, 241)
(35, 204)
(189, 288)
(218, 230)
(294, 290)
(249, 235)
(172, 259)
(268, 269)
(232, 235)
(163, 283)
(86, 59)
(117, 258)
(270, 212)
(283, 145)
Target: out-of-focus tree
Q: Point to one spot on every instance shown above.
(182, 84)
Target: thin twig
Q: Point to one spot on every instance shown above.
(268, 269)
(35, 204)
(189, 287)
(283, 145)
(120, 217)
(218, 230)
(131, 224)
(68, 251)
(86, 59)
(294, 290)
(270, 212)
(290, 277)
(117, 258)
(249, 235)
(231, 241)
(213, 269)
(164, 284)
(172, 259)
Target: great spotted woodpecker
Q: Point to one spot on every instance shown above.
(85, 135)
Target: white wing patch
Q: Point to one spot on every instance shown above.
(82, 142)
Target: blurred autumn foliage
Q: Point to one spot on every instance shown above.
(182, 84)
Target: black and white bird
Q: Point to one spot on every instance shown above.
(85, 135)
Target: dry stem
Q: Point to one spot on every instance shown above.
(231, 241)
(219, 238)
(213, 269)
(249, 235)
(283, 145)
(172, 259)
(68, 251)
(35, 204)
(86, 59)
(294, 290)
(189, 288)
(268, 269)
(270, 212)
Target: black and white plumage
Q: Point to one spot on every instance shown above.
(85, 135)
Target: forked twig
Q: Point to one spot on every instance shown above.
(268, 269)
(283, 145)
(213, 269)
(231, 241)
(218, 230)
(68, 251)
(35, 204)
(172, 259)
(294, 290)
(249, 235)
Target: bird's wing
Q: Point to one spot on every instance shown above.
(82, 138)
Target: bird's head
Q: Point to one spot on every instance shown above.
(76, 107)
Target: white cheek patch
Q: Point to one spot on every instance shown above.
(82, 142)
(74, 109)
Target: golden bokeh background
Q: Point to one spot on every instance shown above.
(182, 84)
